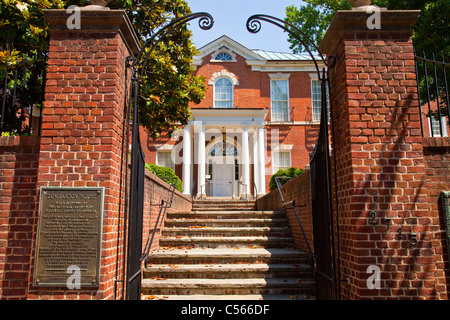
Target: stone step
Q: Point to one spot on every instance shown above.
(225, 214)
(227, 242)
(224, 271)
(165, 286)
(200, 231)
(230, 297)
(228, 208)
(226, 222)
(212, 205)
(222, 256)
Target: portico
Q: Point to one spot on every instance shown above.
(224, 153)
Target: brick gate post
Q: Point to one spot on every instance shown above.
(382, 199)
(82, 125)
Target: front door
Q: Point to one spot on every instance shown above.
(222, 180)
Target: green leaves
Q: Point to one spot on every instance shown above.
(168, 85)
(430, 32)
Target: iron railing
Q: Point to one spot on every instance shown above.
(432, 88)
(163, 206)
(22, 87)
(292, 202)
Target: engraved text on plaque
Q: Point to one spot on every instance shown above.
(69, 237)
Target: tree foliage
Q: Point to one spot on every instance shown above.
(168, 84)
(289, 172)
(165, 174)
(430, 33)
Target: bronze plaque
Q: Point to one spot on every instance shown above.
(68, 243)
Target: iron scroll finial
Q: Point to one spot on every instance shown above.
(254, 26)
(205, 22)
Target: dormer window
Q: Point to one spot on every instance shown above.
(224, 57)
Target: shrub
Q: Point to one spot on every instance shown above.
(163, 173)
(289, 172)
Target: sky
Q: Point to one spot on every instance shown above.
(230, 17)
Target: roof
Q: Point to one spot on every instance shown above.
(280, 56)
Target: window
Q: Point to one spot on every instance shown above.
(222, 149)
(281, 160)
(223, 93)
(434, 124)
(164, 159)
(316, 97)
(224, 57)
(280, 100)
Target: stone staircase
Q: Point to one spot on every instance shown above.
(224, 249)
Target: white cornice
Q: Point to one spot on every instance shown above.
(228, 117)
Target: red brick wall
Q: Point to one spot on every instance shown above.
(380, 160)
(299, 190)
(437, 167)
(82, 134)
(155, 191)
(18, 202)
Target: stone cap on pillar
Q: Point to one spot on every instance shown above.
(97, 19)
(355, 21)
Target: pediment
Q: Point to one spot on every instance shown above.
(226, 44)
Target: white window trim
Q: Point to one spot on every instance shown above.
(444, 127)
(223, 50)
(280, 151)
(275, 77)
(312, 101)
(226, 74)
(161, 150)
(232, 92)
(314, 80)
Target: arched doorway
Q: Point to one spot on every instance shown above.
(222, 168)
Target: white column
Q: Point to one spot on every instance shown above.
(187, 156)
(261, 161)
(245, 161)
(201, 160)
(255, 161)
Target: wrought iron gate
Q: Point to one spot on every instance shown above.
(325, 274)
(136, 198)
(135, 223)
(324, 255)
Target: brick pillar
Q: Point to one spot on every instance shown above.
(82, 125)
(379, 158)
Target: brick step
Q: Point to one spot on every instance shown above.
(238, 214)
(202, 231)
(227, 242)
(214, 205)
(270, 222)
(228, 207)
(225, 271)
(227, 286)
(175, 256)
(230, 297)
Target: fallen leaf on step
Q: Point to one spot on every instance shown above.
(151, 297)
(294, 297)
(306, 296)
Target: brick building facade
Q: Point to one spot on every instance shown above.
(264, 107)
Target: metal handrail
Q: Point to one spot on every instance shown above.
(255, 191)
(240, 193)
(201, 189)
(192, 189)
(284, 204)
(162, 208)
